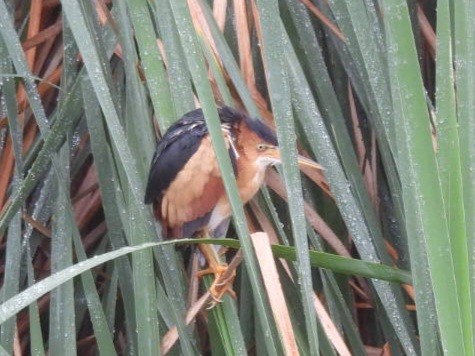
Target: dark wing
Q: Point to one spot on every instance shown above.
(176, 147)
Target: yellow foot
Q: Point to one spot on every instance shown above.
(220, 285)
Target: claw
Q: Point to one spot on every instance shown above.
(219, 287)
(216, 270)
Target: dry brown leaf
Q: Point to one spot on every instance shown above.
(331, 26)
(219, 13)
(43, 35)
(410, 291)
(427, 31)
(37, 225)
(33, 28)
(244, 42)
(6, 162)
(330, 329)
(365, 159)
(201, 26)
(275, 294)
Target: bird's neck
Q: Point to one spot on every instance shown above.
(251, 177)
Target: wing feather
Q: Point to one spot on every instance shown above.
(177, 146)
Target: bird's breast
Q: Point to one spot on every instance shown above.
(250, 180)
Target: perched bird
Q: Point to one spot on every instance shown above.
(185, 184)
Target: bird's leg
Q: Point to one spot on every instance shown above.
(215, 266)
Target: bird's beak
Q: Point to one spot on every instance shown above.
(303, 161)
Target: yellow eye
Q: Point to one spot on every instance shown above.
(261, 147)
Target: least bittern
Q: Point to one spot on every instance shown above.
(185, 183)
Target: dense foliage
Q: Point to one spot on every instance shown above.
(374, 255)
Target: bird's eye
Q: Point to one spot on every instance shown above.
(261, 147)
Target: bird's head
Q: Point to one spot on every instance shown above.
(259, 144)
(269, 155)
